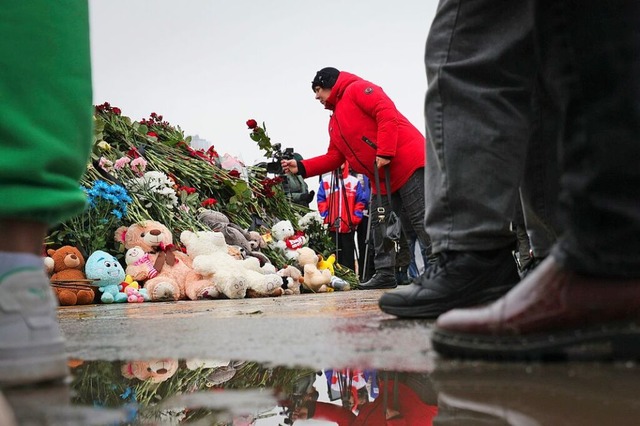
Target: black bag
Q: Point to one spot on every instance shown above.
(390, 221)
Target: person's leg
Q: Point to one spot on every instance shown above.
(583, 299)
(346, 254)
(45, 136)
(478, 111)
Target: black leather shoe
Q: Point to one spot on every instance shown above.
(457, 279)
(381, 279)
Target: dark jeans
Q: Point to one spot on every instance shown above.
(515, 86)
(409, 203)
(489, 128)
(590, 51)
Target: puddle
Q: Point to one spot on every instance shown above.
(231, 392)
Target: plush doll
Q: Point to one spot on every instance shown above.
(316, 280)
(287, 239)
(234, 235)
(294, 279)
(233, 278)
(173, 266)
(136, 256)
(67, 266)
(154, 371)
(213, 264)
(327, 264)
(108, 272)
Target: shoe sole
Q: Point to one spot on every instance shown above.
(435, 309)
(42, 364)
(606, 342)
(377, 287)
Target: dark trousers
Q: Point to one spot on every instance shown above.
(515, 87)
(346, 248)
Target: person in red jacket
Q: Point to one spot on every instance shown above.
(367, 130)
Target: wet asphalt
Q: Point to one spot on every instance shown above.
(158, 363)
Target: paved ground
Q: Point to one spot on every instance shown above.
(272, 342)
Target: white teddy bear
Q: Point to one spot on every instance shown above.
(287, 239)
(234, 278)
(211, 260)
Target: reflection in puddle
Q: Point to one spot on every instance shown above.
(229, 392)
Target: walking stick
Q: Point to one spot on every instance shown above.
(367, 242)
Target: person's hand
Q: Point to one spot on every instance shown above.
(289, 166)
(381, 162)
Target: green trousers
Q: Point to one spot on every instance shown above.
(45, 108)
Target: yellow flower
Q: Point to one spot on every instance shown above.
(104, 146)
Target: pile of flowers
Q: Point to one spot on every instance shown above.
(147, 169)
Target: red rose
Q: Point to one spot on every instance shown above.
(116, 110)
(252, 124)
(234, 173)
(152, 134)
(209, 202)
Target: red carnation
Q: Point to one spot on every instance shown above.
(234, 173)
(252, 124)
(116, 110)
(152, 134)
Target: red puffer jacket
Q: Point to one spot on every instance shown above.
(362, 109)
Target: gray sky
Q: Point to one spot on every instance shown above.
(208, 66)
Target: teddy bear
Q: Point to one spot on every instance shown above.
(233, 278)
(294, 279)
(234, 235)
(173, 266)
(155, 371)
(66, 265)
(107, 271)
(212, 262)
(314, 279)
(287, 239)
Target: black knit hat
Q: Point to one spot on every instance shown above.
(325, 78)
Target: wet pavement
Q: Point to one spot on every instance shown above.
(267, 361)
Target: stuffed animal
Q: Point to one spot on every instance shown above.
(287, 239)
(108, 272)
(233, 278)
(234, 235)
(316, 280)
(67, 266)
(136, 256)
(306, 255)
(173, 265)
(154, 371)
(327, 264)
(294, 279)
(213, 264)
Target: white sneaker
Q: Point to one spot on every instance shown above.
(31, 344)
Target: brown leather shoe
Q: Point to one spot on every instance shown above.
(553, 313)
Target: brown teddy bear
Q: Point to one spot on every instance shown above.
(172, 265)
(68, 278)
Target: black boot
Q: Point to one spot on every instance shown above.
(457, 279)
(383, 278)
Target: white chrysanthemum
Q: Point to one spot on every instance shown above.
(308, 219)
(157, 185)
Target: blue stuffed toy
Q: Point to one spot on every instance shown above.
(107, 270)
